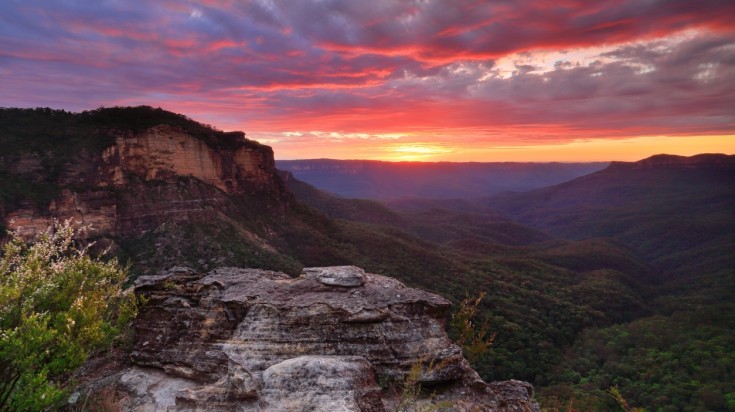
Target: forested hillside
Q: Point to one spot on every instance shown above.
(650, 241)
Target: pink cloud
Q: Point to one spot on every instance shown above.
(385, 66)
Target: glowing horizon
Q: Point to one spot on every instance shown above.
(395, 80)
(592, 150)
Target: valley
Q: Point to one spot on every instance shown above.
(641, 252)
(603, 275)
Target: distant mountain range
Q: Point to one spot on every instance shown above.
(678, 212)
(365, 179)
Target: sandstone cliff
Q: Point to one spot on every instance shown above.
(116, 191)
(153, 186)
(334, 339)
(164, 151)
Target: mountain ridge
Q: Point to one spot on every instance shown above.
(663, 206)
(380, 180)
(706, 160)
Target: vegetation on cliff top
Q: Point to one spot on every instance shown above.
(57, 305)
(44, 130)
(47, 140)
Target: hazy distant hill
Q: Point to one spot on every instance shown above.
(366, 179)
(436, 221)
(679, 212)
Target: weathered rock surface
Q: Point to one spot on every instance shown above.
(248, 339)
(199, 178)
(165, 151)
(349, 276)
(321, 383)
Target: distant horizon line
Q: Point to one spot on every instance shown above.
(496, 162)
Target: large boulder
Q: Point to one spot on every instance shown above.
(332, 339)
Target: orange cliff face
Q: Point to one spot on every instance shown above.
(164, 151)
(129, 187)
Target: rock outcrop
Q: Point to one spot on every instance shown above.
(333, 339)
(118, 190)
(164, 151)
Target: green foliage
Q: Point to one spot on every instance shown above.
(42, 129)
(55, 135)
(411, 388)
(474, 340)
(615, 393)
(143, 117)
(685, 361)
(14, 189)
(57, 305)
(201, 246)
(413, 397)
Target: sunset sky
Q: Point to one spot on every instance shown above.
(433, 80)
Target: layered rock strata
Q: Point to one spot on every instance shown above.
(165, 151)
(333, 339)
(118, 191)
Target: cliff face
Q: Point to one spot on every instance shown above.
(144, 179)
(163, 152)
(334, 339)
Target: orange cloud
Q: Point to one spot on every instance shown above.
(446, 80)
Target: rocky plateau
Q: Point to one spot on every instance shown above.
(333, 339)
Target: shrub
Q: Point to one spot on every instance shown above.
(474, 340)
(57, 305)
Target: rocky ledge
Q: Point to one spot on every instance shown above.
(334, 339)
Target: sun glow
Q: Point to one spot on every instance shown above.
(415, 151)
(462, 150)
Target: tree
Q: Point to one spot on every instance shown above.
(57, 305)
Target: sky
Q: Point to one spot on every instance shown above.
(413, 80)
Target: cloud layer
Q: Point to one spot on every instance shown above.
(443, 74)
